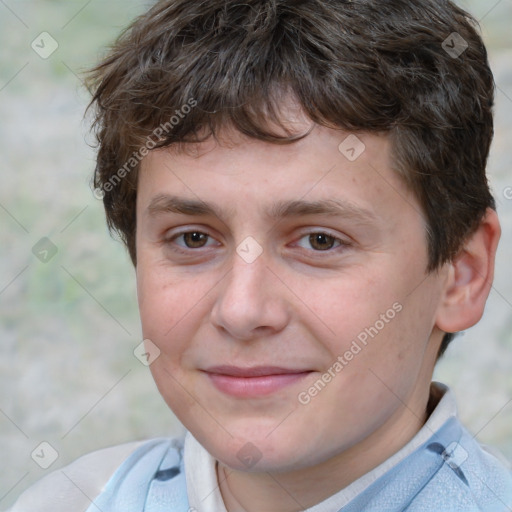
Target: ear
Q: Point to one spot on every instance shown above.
(470, 277)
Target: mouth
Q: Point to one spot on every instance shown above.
(253, 382)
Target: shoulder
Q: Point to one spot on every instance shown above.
(471, 478)
(74, 486)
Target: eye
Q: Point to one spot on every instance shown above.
(194, 239)
(320, 241)
(191, 239)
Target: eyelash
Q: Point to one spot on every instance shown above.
(170, 241)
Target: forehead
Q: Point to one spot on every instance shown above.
(329, 172)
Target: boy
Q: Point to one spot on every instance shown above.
(301, 187)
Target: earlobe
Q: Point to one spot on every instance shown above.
(470, 277)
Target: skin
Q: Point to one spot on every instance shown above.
(297, 306)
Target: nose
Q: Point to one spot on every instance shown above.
(251, 301)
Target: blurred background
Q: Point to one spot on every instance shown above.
(68, 312)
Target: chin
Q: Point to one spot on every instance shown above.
(252, 449)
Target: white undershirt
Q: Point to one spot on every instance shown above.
(204, 493)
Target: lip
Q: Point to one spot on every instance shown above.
(253, 382)
(254, 371)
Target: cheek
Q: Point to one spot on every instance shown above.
(170, 309)
(349, 308)
(375, 322)
(168, 304)
(396, 353)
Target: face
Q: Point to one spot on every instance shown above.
(285, 288)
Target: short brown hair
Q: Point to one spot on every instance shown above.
(357, 65)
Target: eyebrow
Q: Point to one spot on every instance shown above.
(164, 203)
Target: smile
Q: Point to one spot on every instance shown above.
(253, 382)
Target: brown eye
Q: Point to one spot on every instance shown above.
(194, 239)
(190, 242)
(321, 241)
